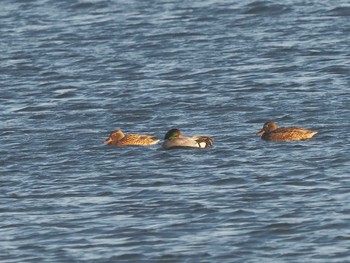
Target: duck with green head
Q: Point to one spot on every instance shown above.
(173, 138)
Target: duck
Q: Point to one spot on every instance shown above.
(174, 138)
(270, 132)
(118, 138)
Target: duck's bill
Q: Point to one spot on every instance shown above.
(261, 132)
(107, 141)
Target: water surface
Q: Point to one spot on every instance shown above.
(72, 71)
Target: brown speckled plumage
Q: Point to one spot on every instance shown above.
(270, 132)
(118, 138)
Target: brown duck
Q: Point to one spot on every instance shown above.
(270, 132)
(118, 138)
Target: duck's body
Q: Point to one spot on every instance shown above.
(173, 139)
(118, 138)
(270, 132)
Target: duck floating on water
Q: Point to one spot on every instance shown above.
(173, 138)
(270, 132)
(118, 138)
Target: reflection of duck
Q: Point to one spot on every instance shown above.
(118, 138)
(270, 132)
(173, 138)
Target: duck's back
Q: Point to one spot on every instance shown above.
(289, 134)
(136, 139)
(180, 142)
(194, 142)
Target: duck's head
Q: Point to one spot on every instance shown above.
(114, 136)
(172, 134)
(268, 127)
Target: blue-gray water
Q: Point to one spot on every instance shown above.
(72, 71)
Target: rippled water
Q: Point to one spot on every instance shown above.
(72, 71)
